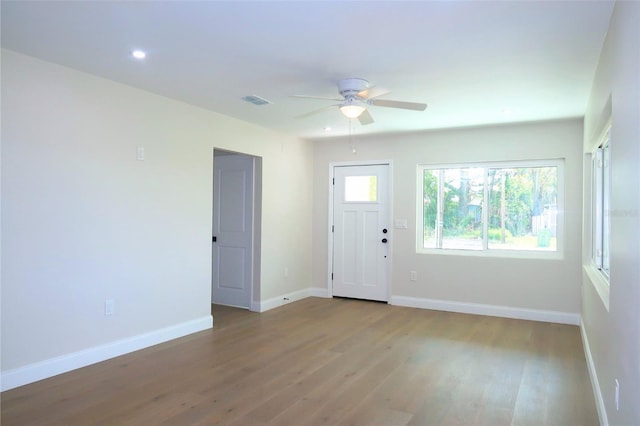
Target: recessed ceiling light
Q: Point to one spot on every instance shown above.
(327, 129)
(139, 54)
(507, 111)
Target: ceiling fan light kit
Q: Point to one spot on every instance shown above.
(357, 95)
(351, 111)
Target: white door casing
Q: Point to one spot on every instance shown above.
(361, 234)
(232, 249)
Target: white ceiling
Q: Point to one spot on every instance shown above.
(468, 60)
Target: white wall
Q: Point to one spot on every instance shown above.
(523, 284)
(613, 334)
(83, 221)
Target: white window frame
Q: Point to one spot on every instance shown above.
(485, 251)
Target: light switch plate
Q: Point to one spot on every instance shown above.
(400, 223)
(109, 307)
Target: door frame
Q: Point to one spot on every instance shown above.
(256, 220)
(330, 238)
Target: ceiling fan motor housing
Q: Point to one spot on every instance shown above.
(352, 86)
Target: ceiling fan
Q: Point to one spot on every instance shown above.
(356, 96)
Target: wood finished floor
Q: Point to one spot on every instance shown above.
(333, 362)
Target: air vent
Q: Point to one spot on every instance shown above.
(256, 100)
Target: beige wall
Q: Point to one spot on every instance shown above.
(547, 285)
(613, 333)
(83, 221)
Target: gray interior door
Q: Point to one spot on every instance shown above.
(232, 230)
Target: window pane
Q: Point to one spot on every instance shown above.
(361, 188)
(462, 195)
(598, 204)
(606, 188)
(429, 207)
(601, 188)
(523, 208)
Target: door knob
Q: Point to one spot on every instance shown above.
(384, 231)
(384, 240)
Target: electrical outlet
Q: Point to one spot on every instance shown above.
(286, 272)
(617, 395)
(413, 275)
(109, 307)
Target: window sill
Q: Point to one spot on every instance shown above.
(599, 282)
(513, 254)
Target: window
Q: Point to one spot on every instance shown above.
(361, 188)
(494, 206)
(452, 212)
(601, 189)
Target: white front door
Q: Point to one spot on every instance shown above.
(361, 231)
(232, 230)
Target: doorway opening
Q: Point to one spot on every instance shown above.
(235, 254)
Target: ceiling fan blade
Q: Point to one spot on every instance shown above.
(373, 92)
(365, 118)
(321, 98)
(317, 111)
(398, 104)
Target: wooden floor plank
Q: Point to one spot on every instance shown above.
(329, 361)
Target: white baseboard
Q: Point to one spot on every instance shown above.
(52, 367)
(595, 384)
(283, 299)
(277, 301)
(320, 292)
(489, 310)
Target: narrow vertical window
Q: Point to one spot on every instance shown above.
(601, 194)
